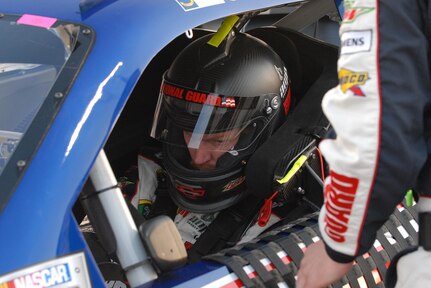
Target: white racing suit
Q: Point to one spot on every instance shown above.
(190, 225)
(381, 119)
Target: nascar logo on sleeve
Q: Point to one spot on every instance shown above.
(189, 5)
(350, 80)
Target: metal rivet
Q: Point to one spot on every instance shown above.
(268, 110)
(58, 95)
(275, 103)
(21, 164)
(86, 31)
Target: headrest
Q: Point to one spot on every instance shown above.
(318, 63)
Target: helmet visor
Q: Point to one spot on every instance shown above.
(196, 119)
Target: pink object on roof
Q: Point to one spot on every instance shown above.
(39, 21)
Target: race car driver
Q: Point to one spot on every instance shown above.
(216, 106)
(380, 113)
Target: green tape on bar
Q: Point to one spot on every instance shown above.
(223, 31)
(409, 198)
(296, 166)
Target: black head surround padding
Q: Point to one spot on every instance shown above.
(318, 62)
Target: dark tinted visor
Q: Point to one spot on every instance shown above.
(187, 117)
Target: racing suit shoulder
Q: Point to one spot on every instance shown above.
(378, 132)
(141, 181)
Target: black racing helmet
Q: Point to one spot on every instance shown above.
(226, 100)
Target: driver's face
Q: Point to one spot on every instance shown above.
(211, 147)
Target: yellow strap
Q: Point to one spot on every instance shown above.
(296, 166)
(144, 201)
(223, 31)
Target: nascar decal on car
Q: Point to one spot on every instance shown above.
(198, 97)
(350, 80)
(68, 271)
(340, 195)
(356, 41)
(353, 12)
(189, 5)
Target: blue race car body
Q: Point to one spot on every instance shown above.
(50, 146)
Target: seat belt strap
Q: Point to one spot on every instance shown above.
(227, 229)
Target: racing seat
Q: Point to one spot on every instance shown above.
(312, 67)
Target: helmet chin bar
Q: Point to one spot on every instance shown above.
(202, 208)
(202, 191)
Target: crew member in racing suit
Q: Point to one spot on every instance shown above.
(381, 145)
(217, 105)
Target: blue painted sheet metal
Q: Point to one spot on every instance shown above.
(128, 35)
(194, 275)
